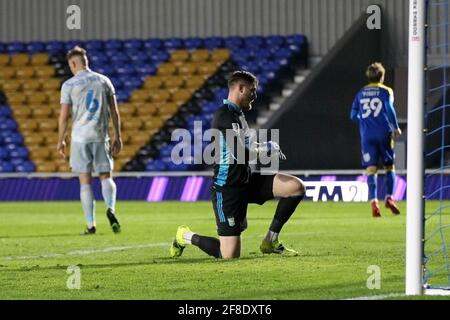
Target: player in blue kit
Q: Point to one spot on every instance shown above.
(373, 109)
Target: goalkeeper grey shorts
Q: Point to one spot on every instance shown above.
(91, 157)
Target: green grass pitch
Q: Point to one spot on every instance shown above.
(337, 244)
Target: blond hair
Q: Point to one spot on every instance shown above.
(375, 72)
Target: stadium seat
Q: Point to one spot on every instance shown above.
(212, 43)
(179, 55)
(199, 55)
(4, 59)
(193, 43)
(7, 72)
(35, 47)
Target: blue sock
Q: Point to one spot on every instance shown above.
(372, 183)
(390, 181)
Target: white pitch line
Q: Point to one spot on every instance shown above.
(84, 252)
(378, 297)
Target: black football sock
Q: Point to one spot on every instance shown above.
(285, 209)
(207, 244)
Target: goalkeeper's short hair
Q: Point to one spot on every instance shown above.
(242, 76)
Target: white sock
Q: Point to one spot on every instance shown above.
(187, 237)
(109, 191)
(88, 204)
(271, 236)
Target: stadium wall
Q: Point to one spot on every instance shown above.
(322, 21)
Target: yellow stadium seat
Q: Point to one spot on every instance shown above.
(24, 72)
(29, 125)
(21, 113)
(127, 110)
(20, 59)
(220, 55)
(42, 112)
(166, 69)
(7, 72)
(199, 55)
(39, 59)
(31, 85)
(42, 153)
(140, 95)
(173, 82)
(195, 82)
(147, 110)
(139, 138)
(187, 68)
(51, 138)
(207, 68)
(4, 59)
(159, 96)
(46, 167)
(12, 85)
(48, 125)
(53, 84)
(153, 82)
(44, 71)
(36, 98)
(179, 55)
(53, 97)
(16, 98)
(34, 140)
(182, 96)
(132, 124)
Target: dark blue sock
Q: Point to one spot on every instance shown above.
(390, 181)
(372, 183)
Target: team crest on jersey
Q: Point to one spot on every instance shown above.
(235, 127)
(231, 222)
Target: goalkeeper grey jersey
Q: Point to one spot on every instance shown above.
(88, 92)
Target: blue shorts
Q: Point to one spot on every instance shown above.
(377, 147)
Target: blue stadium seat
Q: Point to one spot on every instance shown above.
(119, 58)
(6, 167)
(54, 47)
(26, 166)
(193, 43)
(93, 45)
(274, 41)
(98, 58)
(68, 45)
(111, 45)
(106, 69)
(132, 84)
(173, 43)
(139, 57)
(122, 95)
(15, 47)
(35, 47)
(133, 44)
(15, 138)
(146, 69)
(254, 42)
(19, 152)
(2, 47)
(233, 42)
(160, 56)
(212, 43)
(9, 124)
(4, 154)
(117, 82)
(153, 44)
(282, 53)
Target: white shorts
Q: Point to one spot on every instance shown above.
(87, 157)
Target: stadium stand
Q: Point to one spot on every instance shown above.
(161, 85)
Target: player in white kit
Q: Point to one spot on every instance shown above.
(89, 98)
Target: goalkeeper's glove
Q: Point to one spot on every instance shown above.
(271, 146)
